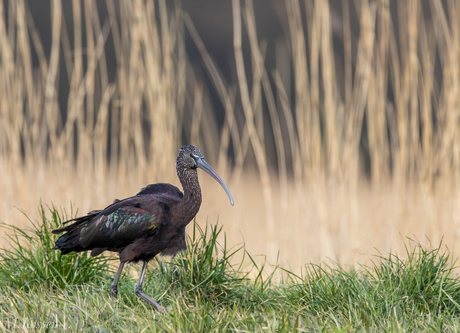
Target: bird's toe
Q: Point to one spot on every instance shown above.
(113, 293)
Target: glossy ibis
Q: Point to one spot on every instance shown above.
(149, 223)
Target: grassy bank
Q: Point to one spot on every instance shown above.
(42, 291)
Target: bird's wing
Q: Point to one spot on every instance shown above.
(162, 188)
(120, 223)
(127, 220)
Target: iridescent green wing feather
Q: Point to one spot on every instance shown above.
(119, 228)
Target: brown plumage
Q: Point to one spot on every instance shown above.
(149, 223)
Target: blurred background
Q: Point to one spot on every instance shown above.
(335, 124)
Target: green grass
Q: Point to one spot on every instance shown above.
(42, 291)
(32, 262)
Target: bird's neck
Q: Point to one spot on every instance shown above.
(190, 204)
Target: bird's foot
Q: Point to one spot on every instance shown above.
(114, 292)
(150, 300)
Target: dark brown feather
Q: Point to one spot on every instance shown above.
(142, 226)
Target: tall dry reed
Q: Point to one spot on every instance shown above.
(387, 128)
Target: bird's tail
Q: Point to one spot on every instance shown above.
(70, 241)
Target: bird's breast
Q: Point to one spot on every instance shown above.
(174, 242)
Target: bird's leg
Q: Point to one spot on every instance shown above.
(141, 294)
(114, 286)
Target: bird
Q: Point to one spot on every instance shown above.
(142, 226)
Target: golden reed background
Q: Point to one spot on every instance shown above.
(116, 136)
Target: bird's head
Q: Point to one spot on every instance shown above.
(188, 157)
(191, 157)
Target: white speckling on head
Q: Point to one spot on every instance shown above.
(189, 206)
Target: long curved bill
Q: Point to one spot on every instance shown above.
(201, 163)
